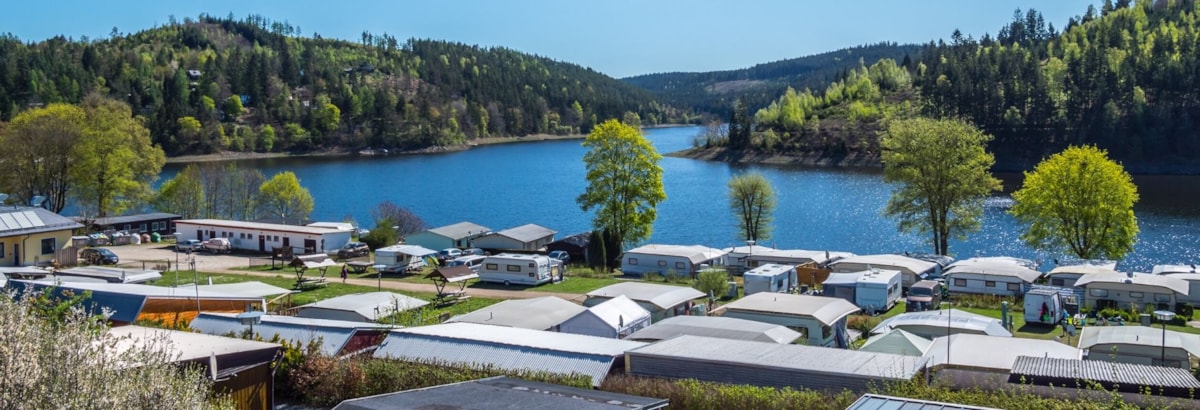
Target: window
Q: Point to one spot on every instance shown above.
(1057, 282)
(1, 250)
(633, 261)
(1136, 295)
(1098, 292)
(678, 265)
(662, 263)
(532, 265)
(826, 331)
(989, 283)
(1015, 287)
(1162, 297)
(960, 282)
(48, 246)
(143, 227)
(127, 227)
(491, 266)
(512, 268)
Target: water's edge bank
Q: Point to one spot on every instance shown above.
(233, 156)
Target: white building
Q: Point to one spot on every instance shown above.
(261, 237)
(527, 237)
(1001, 276)
(821, 320)
(662, 301)
(664, 259)
(458, 235)
(616, 318)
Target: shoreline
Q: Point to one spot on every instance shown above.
(721, 154)
(234, 156)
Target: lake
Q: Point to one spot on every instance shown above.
(506, 185)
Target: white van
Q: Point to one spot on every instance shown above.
(514, 269)
(475, 262)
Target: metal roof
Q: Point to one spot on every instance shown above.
(187, 345)
(939, 320)
(128, 219)
(995, 266)
(820, 257)
(809, 359)
(993, 352)
(252, 289)
(116, 275)
(507, 348)
(527, 232)
(617, 311)
(502, 392)
(880, 402)
(412, 250)
(542, 313)
(897, 341)
(28, 220)
(1176, 285)
(902, 262)
(309, 230)
(1085, 269)
(662, 296)
(826, 310)
(694, 253)
(883, 276)
(333, 334)
(1139, 335)
(460, 230)
(769, 270)
(119, 307)
(718, 327)
(453, 274)
(157, 292)
(372, 305)
(1037, 369)
(1169, 269)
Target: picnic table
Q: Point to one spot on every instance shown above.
(359, 266)
(320, 262)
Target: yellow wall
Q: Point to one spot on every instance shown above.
(31, 247)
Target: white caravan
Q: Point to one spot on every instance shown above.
(516, 269)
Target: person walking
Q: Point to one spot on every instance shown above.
(345, 273)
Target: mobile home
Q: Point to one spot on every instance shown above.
(1067, 275)
(1001, 276)
(770, 278)
(821, 320)
(514, 269)
(796, 257)
(261, 237)
(664, 259)
(912, 270)
(402, 258)
(874, 290)
(1193, 280)
(1124, 291)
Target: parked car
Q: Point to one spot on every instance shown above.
(353, 250)
(448, 254)
(188, 245)
(217, 245)
(99, 256)
(474, 251)
(561, 255)
(923, 295)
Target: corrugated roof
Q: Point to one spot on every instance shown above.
(333, 334)
(992, 352)
(538, 339)
(619, 310)
(913, 265)
(962, 321)
(158, 292)
(372, 305)
(880, 402)
(188, 345)
(460, 230)
(718, 327)
(537, 313)
(820, 360)
(309, 230)
(1139, 335)
(120, 307)
(1166, 282)
(997, 266)
(502, 393)
(662, 296)
(128, 219)
(694, 253)
(1126, 374)
(826, 310)
(897, 341)
(527, 232)
(23, 221)
(412, 250)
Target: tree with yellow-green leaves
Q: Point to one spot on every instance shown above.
(38, 154)
(941, 172)
(753, 202)
(115, 161)
(1078, 201)
(283, 197)
(624, 182)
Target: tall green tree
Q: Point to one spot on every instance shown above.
(183, 194)
(941, 169)
(283, 197)
(624, 182)
(1078, 201)
(116, 161)
(37, 156)
(753, 202)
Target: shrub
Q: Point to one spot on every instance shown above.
(693, 394)
(653, 277)
(713, 282)
(862, 323)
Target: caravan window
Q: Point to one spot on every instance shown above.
(1098, 292)
(960, 282)
(513, 268)
(678, 265)
(989, 283)
(1015, 287)
(1136, 295)
(633, 261)
(662, 263)
(1057, 282)
(492, 266)
(1162, 297)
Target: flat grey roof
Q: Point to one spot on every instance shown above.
(502, 393)
(537, 339)
(941, 319)
(662, 296)
(308, 230)
(810, 359)
(1167, 282)
(910, 264)
(826, 310)
(997, 266)
(19, 220)
(994, 352)
(694, 253)
(157, 292)
(880, 402)
(366, 304)
(460, 230)
(527, 232)
(820, 257)
(125, 219)
(1037, 370)
(718, 327)
(1139, 335)
(1168, 269)
(333, 334)
(116, 275)
(537, 313)
(188, 345)
(253, 289)
(412, 250)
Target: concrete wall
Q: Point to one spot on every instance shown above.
(30, 248)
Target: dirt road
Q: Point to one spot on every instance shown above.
(157, 254)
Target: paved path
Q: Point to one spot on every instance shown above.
(152, 254)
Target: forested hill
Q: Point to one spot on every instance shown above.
(212, 84)
(1125, 78)
(715, 92)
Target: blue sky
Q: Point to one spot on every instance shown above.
(617, 37)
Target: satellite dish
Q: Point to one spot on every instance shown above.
(37, 200)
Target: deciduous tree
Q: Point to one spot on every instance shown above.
(116, 161)
(624, 182)
(753, 203)
(283, 197)
(37, 155)
(388, 214)
(183, 194)
(941, 169)
(1078, 201)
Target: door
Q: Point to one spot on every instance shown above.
(286, 242)
(262, 243)
(310, 246)
(16, 254)
(199, 234)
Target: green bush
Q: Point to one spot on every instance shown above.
(693, 394)
(713, 282)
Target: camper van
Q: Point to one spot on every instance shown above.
(514, 269)
(770, 278)
(924, 295)
(1047, 305)
(878, 290)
